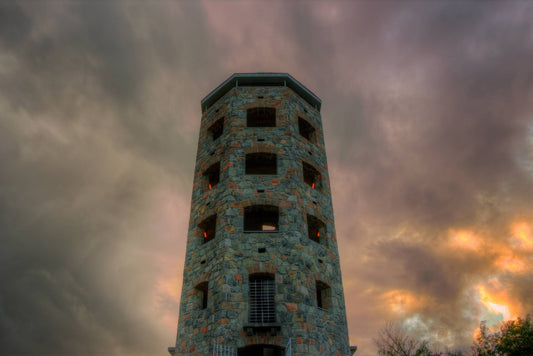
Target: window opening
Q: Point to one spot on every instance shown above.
(262, 295)
(261, 163)
(261, 117)
(216, 130)
(322, 295)
(261, 350)
(208, 228)
(261, 218)
(316, 229)
(203, 289)
(311, 175)
(307, 130)
(261, 250)
(212, 175)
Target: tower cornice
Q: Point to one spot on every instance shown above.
(261, 79)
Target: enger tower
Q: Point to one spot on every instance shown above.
(262, 274)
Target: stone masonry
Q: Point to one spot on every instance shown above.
(299, 254)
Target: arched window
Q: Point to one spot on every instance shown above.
(261, 350)
(322, 295)
(212, 175)
(261, 117)
(261, 218)
(208, 228)
(216, 129)
(316, 229)
(311, 175)
(202, 289)
(306, 130)
(262, 297)
(261, 163)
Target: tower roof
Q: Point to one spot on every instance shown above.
(261, 79)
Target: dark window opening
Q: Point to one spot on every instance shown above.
(322, 295)
(202, 289)
(259, 218)
(311, 175)
(261, 350)
(212, 175)
(261, 117)
(261, 163)
(262, 295)
(261, 250)
(307, 130)
(216, 130)
(316, 229)
(208, 228)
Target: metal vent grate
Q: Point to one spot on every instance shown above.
(223, 350)
(262, 308)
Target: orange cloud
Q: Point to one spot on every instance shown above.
(494, 297)
(403, 301)
(522, 235)
(170, 287)
(464, 239)
(511, 264)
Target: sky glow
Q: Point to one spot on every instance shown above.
(429, 133)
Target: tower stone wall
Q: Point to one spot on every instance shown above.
(298, 253)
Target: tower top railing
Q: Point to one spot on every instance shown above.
(261, 79)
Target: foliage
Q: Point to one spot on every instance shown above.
(394, 341)
(515, 338)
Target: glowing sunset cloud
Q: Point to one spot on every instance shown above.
(402, 301)
(522, 234)
(511, 264)
(170, 286)
(496, 300)
(464, 239)
(500, 309)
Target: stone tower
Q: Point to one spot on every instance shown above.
(262, 273)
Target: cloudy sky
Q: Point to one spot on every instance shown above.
(428, 119)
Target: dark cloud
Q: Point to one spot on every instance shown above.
(84, 154)
(427, 116)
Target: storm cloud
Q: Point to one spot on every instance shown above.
(429, 132)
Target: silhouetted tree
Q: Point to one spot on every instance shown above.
(515, 338)
(394, 341)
